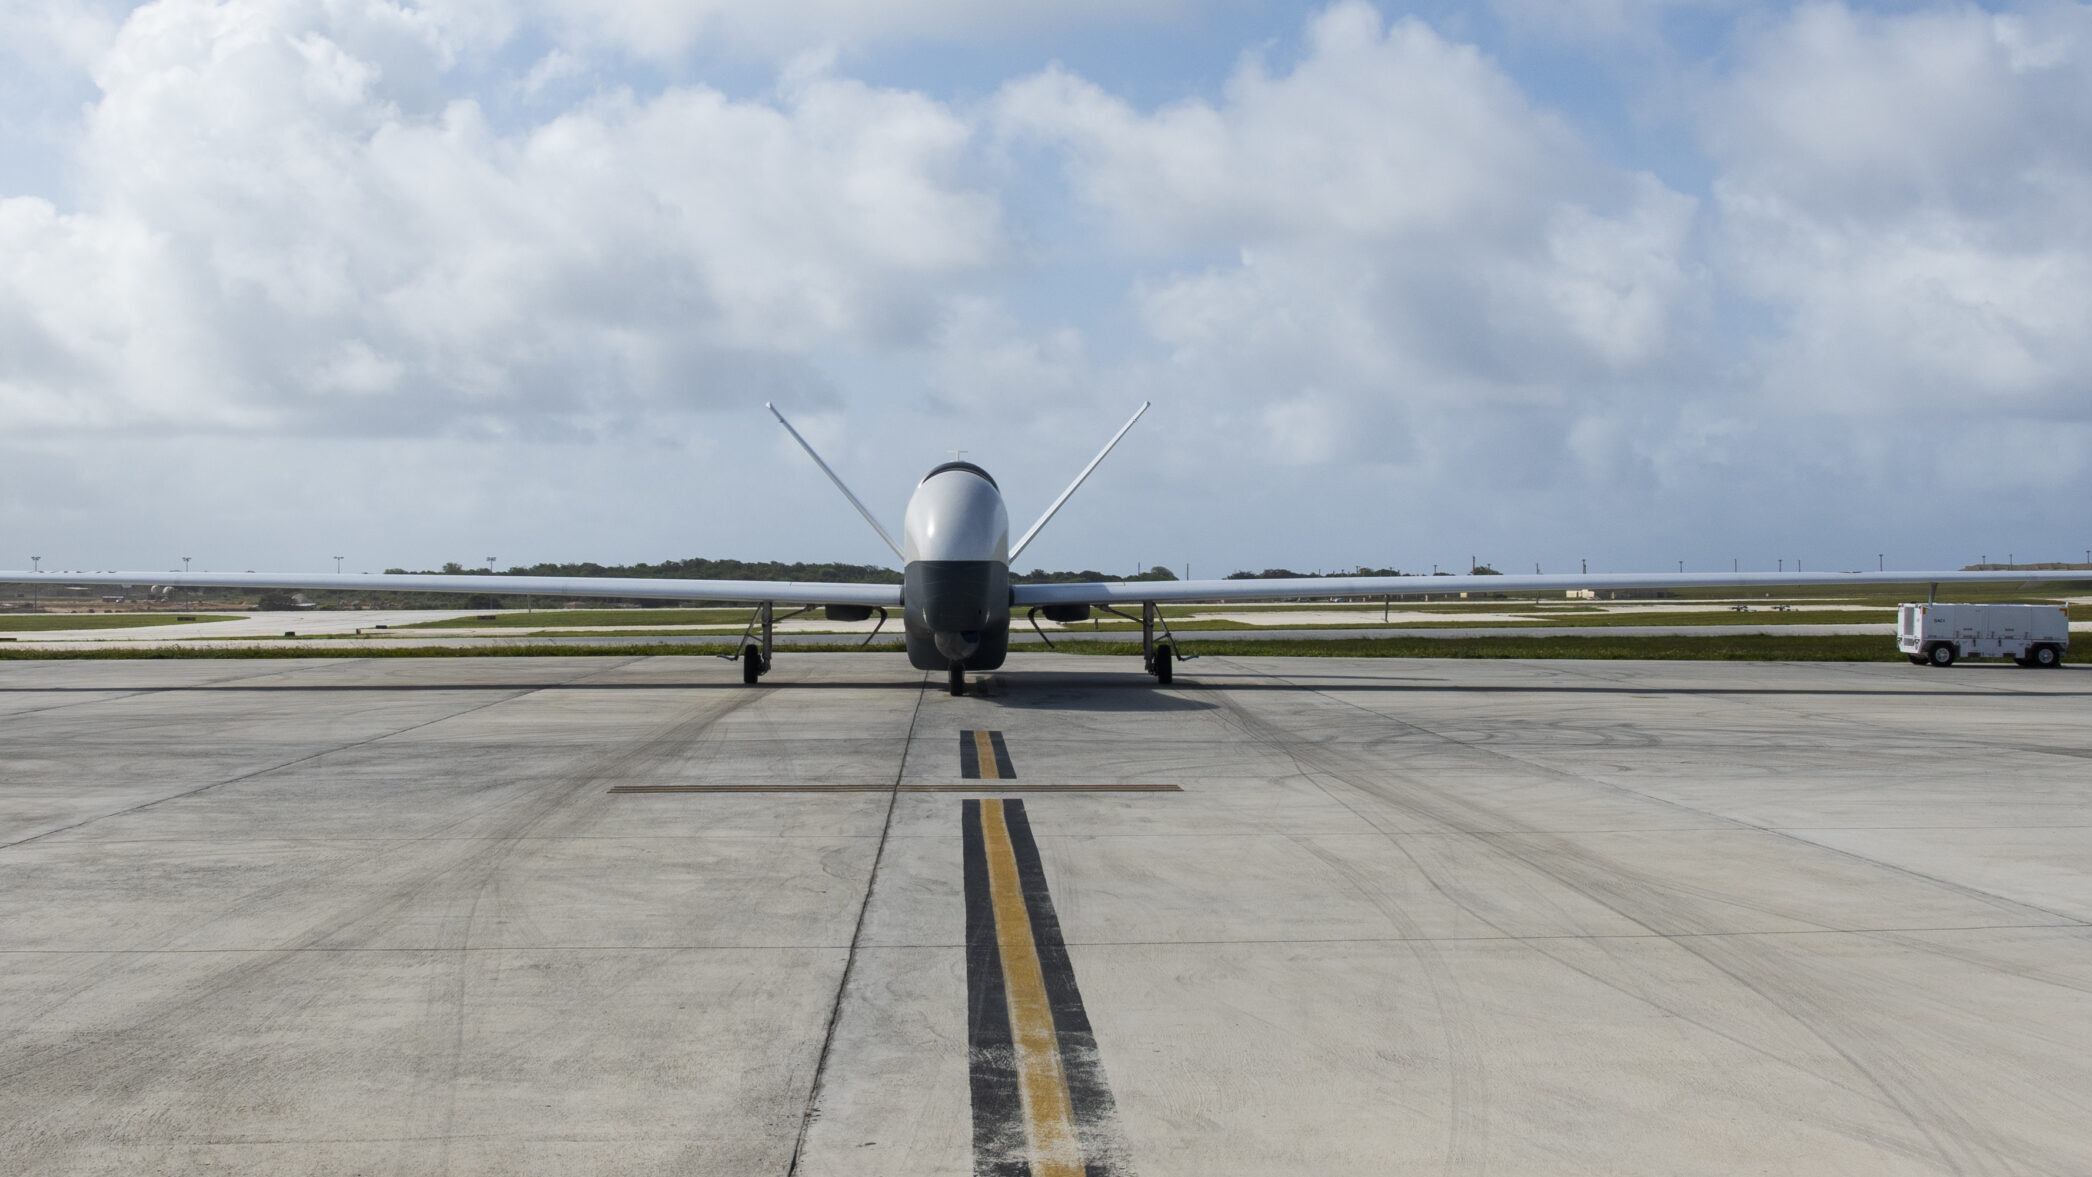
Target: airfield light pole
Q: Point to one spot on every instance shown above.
(185, 565)
(337, 565)
(490, 565)
(36, 563)
(1879, 565)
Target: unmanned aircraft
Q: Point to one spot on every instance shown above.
(956, 597)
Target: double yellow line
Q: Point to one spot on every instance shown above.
(1042, 1082)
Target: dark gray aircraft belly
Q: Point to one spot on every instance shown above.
(956, 611)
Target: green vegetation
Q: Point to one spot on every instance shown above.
(348, 650)
(23, 622)
(1086, 576)
(1289, 574)
(1581, 620)
(1741, 648)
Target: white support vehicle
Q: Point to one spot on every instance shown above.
(1936, 634)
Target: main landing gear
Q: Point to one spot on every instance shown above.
(752, 651)
(1157, 658)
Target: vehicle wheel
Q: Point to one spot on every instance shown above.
(1941, 654)
(958, 679)
(751, 665)
(2022, 660)
(2045, 657)
(1165, 665)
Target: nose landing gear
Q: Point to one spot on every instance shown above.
(958, 679)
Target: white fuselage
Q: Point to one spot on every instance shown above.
(956, 594)
(956, 514)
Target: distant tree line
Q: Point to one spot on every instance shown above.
(694, 568)
(1086, 576)
(1289, 574)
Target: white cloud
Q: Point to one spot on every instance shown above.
(1910, 193)
(287, 225)
(355, 257)
(1376, 133)
(1412, 233)
(664, 29)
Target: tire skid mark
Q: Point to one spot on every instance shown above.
(265, 771)
(118, 694)
(1467, 1069)
(1954, 1140)
(106, 1063)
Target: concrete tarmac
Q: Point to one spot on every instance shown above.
(389, 916)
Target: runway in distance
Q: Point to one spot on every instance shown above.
(956, 596)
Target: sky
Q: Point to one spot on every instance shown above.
(1534, 282)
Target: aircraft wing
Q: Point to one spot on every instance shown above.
(565, 587)
(1133, 592)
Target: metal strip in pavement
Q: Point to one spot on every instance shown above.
(928, 787)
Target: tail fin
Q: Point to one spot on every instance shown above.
(1071, 486)
(839, 482)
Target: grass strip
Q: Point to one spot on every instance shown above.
(547, 650)
(39, 622)
(1528, 621)
(1737, 648)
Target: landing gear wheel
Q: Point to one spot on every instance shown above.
(1941, 655)
(751, 665)
(2045, 657)
(1165, 665)
(958, 679)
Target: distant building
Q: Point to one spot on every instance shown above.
(1582, 594)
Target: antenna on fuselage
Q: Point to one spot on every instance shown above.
(837, 481)
(1078, 479)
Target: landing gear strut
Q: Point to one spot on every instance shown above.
(1157, 658)
(958, 679)
(754, 652)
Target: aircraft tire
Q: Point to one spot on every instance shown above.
(1165, 665)
(751, 665)
(958, 679)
